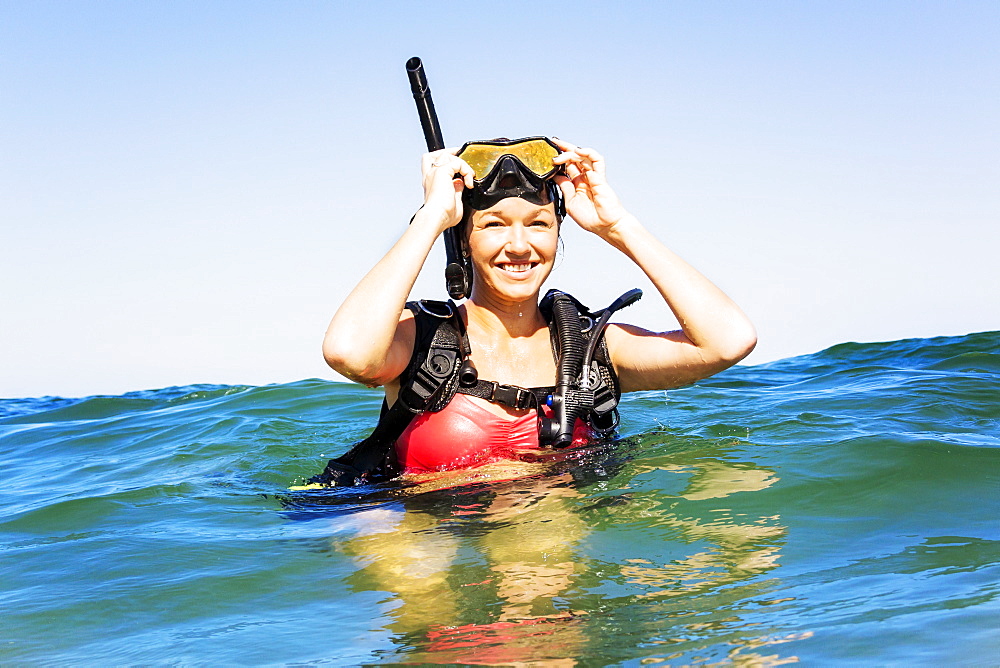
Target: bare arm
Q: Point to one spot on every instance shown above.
(370, 339)
(715, 333)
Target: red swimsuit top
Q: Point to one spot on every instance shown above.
(465, 434)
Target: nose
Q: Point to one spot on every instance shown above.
(517, 240)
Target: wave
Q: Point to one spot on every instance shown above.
(801, 503)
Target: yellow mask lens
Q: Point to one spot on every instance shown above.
(536, 154)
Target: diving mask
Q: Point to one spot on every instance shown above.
(511, 168)
(534, 153)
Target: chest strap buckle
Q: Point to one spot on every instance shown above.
(511, 395)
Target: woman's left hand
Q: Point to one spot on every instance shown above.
(590, 201)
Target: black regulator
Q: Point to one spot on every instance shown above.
(581, 391)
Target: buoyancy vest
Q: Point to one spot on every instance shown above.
(439, 368)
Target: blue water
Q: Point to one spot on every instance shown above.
(833, 508)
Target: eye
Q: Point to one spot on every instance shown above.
(540, 223)
(492, 223)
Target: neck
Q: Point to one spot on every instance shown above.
(517, 318)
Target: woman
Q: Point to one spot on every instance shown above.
(511, 233)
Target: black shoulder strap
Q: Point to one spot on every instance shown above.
(431, 380)
(438, 350)
(439, 347)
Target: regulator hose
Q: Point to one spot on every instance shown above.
(627, 299)
(568, 402)
(574, 395)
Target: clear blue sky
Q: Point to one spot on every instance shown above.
(188, 190)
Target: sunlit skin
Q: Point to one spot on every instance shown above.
(512, 247)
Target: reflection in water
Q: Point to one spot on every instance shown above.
(739, 549)
(739, 656)
(500, 574)
(478, 574)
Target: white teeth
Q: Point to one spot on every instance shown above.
(517, 268)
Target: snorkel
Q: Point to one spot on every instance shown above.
(457, 271)
(504, 168)
(524, 168)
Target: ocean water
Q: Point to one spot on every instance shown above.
(836, 508)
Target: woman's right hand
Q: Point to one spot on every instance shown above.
(370, 339)
(445, 176)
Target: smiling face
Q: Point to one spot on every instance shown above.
(513, 246)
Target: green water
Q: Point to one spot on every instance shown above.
(838, 508)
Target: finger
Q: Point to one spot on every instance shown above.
(446, 156)
(565, 158)
(439, 157)
(564, 145)
(431, 156)
(590, 153)
(581, 161)
(573, 170)
(573, 189)
(570, 155)
(427, 163)
(569, 152)
(468, 174)
(596, 179)
(566, 186)
(447, 162)
(595, 159)
(598, 184)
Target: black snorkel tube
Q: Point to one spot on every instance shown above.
(455, 275)
(581, 392)
(578, 384)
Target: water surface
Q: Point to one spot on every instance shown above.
(832, 508)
